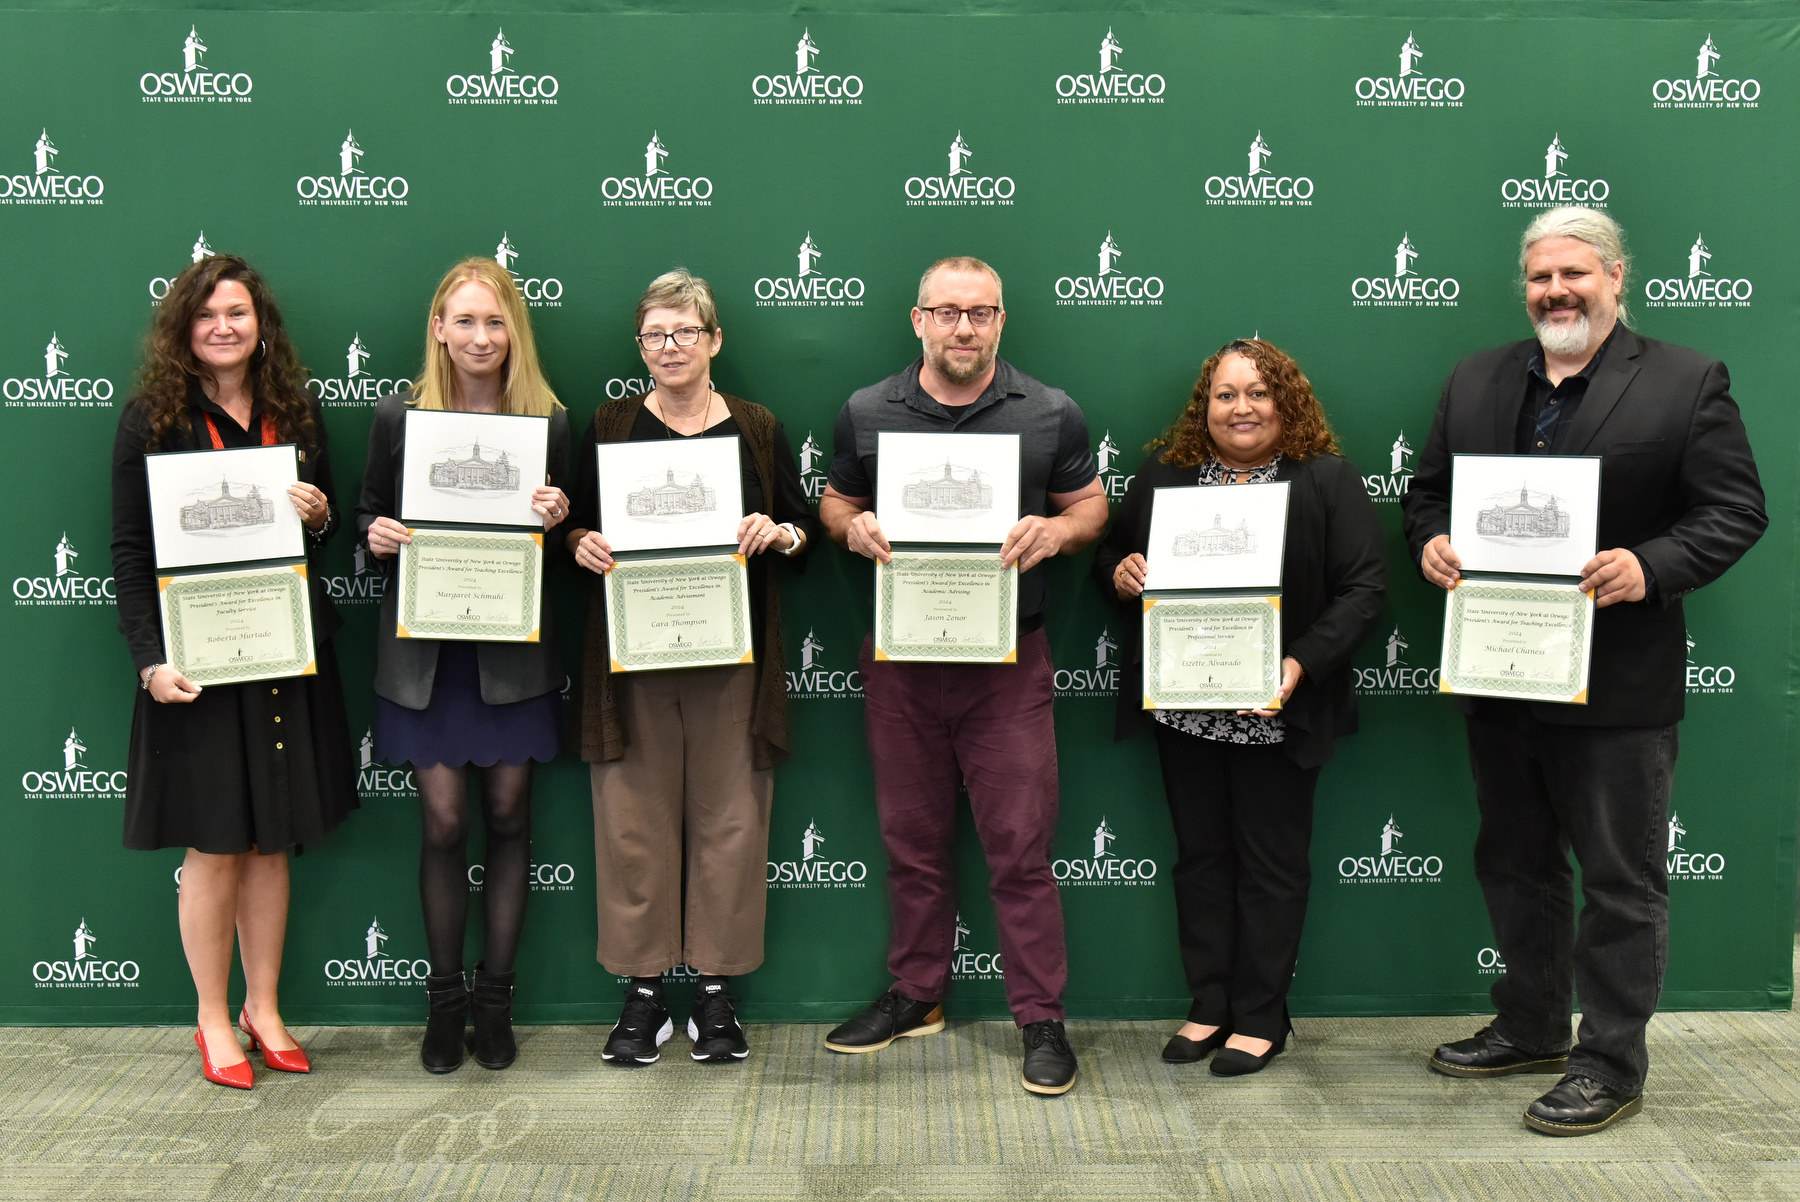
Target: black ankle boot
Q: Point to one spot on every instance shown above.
(448, 997)
(494, 1043)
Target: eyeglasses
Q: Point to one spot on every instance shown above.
(685, 336)
(949, 316)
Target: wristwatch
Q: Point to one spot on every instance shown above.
(793, 534)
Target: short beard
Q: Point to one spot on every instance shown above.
(1564, 340)
(940, 362)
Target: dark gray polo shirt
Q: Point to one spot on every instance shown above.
(1054, 453)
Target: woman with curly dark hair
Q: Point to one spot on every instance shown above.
(1240, 785)
(236, 773)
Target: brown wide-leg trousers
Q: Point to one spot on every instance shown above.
(686, 783)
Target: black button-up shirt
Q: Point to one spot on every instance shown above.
(1549, 409)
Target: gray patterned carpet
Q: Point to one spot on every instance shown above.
(1349, 1112)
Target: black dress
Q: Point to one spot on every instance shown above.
(267, 764)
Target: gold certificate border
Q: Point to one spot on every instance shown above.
(1159, 609)
(617, 617)
(292, 577)
(526, 630)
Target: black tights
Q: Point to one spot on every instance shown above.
(444, 865)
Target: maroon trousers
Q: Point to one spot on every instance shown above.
(990, 727)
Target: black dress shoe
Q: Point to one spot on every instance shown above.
(1049, 1062)
(1233, 1062)
(1182, 1050)
(1487, 1053)
(1581, 1106)
(893, 1016)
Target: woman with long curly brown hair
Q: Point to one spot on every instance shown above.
(1240, 785)
(236, 773)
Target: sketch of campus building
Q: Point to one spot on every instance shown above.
(1522, 520)
(229, 512)
(670, 498)
(947, 492)
(475, 473)
(1217, 539)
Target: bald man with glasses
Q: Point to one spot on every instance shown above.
(990, 726)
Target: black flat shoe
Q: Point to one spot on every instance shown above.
(1581, 1106)
(1231, 1062)
(1487, 1053)
(1182, 1050)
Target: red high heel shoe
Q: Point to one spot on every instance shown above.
(237, 1076)
(291, 1061)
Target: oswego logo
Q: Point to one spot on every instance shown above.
(45, 185)
(76, 780)
(816, 870)
(501, 84)
(809, 287)
(376, 967)
(1105, 866)
(1099, 680)
(813, 478)
(1106, 456)
(1708, 678)
(659, 187)
(967, 964)
(364, 586)
(159, 287)
(194, 84)
(358, 386)
(1392, 866)
(1412, 88)
(352, 185)
(1109, 285)
(1393, 486)
(542, 878)
(1407, 288)
(815, 681)
(1114, 84)
(1685, 865)
(1557, 187)
(1395, 677)
(85, 970)
(59, 389)
(1708, 89)
(538, 293)
(963, 185)
(1259, 185)
(376, 780)
(808, 84)
(1488, 962)
(67, 587)
(1701, 289)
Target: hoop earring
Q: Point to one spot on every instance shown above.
(262, 348)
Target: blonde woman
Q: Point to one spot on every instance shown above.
(446, 706)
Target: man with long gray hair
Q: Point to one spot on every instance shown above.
(1680, 502)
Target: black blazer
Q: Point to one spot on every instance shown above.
(1678, 488)
(1333, 587)
(406, 668)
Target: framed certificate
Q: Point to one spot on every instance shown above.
(473, 469)
(1527, 640)
(1217, 536)
(1532, 515)
(947, 488)
(219, 507)
(688, 611)
(1212, 652)
(473, 585)
(660, 496)
(229, 627)
(947, 607)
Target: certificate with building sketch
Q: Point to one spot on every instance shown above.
(218, 507)
(1523, 639)
(234, 626)
(947, 488)
(473, 469)
(1535, 515)
(660, 494)
(1217, 536)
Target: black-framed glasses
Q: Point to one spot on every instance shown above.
(950, 316)
(685, 336)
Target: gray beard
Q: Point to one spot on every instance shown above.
(1564, 340)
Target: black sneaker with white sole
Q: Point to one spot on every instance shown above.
(643, 1027)
(718, 1039)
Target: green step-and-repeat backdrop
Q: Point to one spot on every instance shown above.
(1150, 185)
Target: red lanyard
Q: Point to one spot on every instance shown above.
(268, 432)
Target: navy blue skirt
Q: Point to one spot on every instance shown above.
(459, 728)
